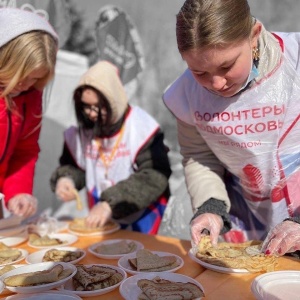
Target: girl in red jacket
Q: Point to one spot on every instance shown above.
(28, 46)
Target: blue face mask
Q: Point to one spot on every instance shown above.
(253, 74)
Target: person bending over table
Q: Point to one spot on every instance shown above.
(237, 110)
(117, 152)
(28, 47)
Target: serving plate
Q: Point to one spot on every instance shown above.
(92, 248)
(130, 291)
(37, 257)
(67, 238)
(15, 240)
(24, 254)
(6, 291)
(34, 268)
(278, 285)
(124, 264)
(214, 267)
(50, 295)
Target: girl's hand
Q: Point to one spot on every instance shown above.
(23, 205)
(65, 188)
(211, 222)
(99, 215)
(283, 238)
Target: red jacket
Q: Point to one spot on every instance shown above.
(19, 148)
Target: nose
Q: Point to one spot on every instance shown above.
(218, 82)
(25, 87)
(92, 114)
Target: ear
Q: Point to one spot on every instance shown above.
(256, 30)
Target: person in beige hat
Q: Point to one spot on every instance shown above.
(117, 152)
(28, 47)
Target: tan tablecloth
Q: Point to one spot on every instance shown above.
(216, 285)
(151, 242)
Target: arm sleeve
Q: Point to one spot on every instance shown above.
(144, 186)
(217, 207)
(203, 171)
(20, 174)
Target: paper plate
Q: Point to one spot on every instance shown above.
(68, 239)
(24, 254)
(214, 267)
(34, 268)
(92, 248)
(15, 240)
(123, 262)
(278, 285)
(50, 295)
(37, 257)
(2, 286)
(130, 291)
(68, 286)
(6, 291)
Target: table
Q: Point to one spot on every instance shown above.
(219, 286)
(216, 285)
(151, 242)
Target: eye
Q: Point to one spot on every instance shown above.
(199, 75)
(226, 68)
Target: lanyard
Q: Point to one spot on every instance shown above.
(107, 159)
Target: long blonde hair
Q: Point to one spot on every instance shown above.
(21, 56)
(209, 23)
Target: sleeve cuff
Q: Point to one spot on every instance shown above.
(217, 207)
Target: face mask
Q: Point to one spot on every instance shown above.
(253, 74)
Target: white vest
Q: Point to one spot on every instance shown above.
(139, 128)
(256, 135)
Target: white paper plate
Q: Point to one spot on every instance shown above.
(35, 268)
(214, 267)
(24, 254)
(123, 262)
(2, 287)
(37, 257)
(15, 240)
(68, 286)
(68, 239)
(130, 291)
(6, 291)
(50, 295)
(98, 233)
(92, 248)
(278, 285)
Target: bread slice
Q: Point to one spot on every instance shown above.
(121, 247)
(156, 290)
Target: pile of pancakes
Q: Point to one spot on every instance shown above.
(236, 255)
(95, 278)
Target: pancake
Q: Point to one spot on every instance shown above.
(78, 225)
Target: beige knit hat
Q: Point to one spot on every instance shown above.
(14, 22)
